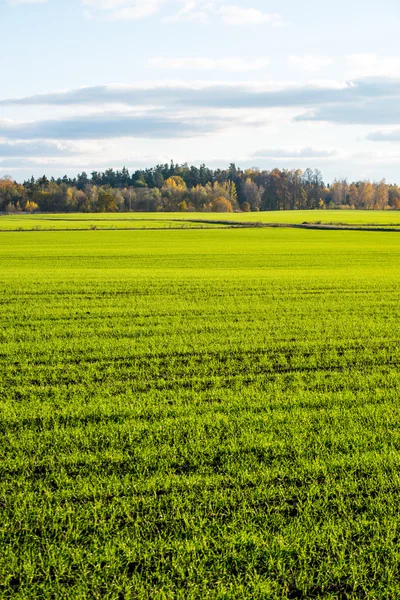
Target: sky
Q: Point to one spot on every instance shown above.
(92, 84)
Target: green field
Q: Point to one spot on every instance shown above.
(377, 218)
(127, 221)
(200, 414)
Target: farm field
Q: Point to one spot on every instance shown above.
(345, 217)
(127, 221)
(194, 220)
(200, 414)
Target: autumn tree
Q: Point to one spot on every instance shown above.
(172, 186)
(106, 202)
(31, 207)
(175, 183)
(11, 193)
(381, 196)
(252, 194)
(221, 205)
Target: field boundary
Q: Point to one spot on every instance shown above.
(319, 226)
(188, 225)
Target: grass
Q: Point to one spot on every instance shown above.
(345, 217)
(199, 414)
(123, 221)
(378, 218)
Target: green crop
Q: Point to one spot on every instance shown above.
(199, 414)
(78, 221)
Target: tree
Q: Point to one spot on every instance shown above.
(11, 193)
(129, 195)
(340, 192)
(92, 195)
(221, 205)
(396, 203)
(381, 196)
(10, 208)
(106, 202)
(31, 206)
(171, 187)
(252, 194)
(148, 200)
(82, 181)
(365, 195)
(118, 199)
(175, 182)
(199, 197)
(182, 206)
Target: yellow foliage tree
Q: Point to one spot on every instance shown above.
(221, 205)
(182, 206)
(31, 206)
(175, 182)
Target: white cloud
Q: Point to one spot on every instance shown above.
(307, 152)
(198, 11)
(232, 64)
(192, 10)
(237, 15)
(106, 125)
(245, 95)
(36, 149)
(310, 62)
(365, 65)
(391, 135)
(122, 9)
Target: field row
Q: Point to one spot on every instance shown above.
(128, 221)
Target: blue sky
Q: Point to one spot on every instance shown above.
(88, 84)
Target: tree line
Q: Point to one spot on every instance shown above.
(182, 188)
